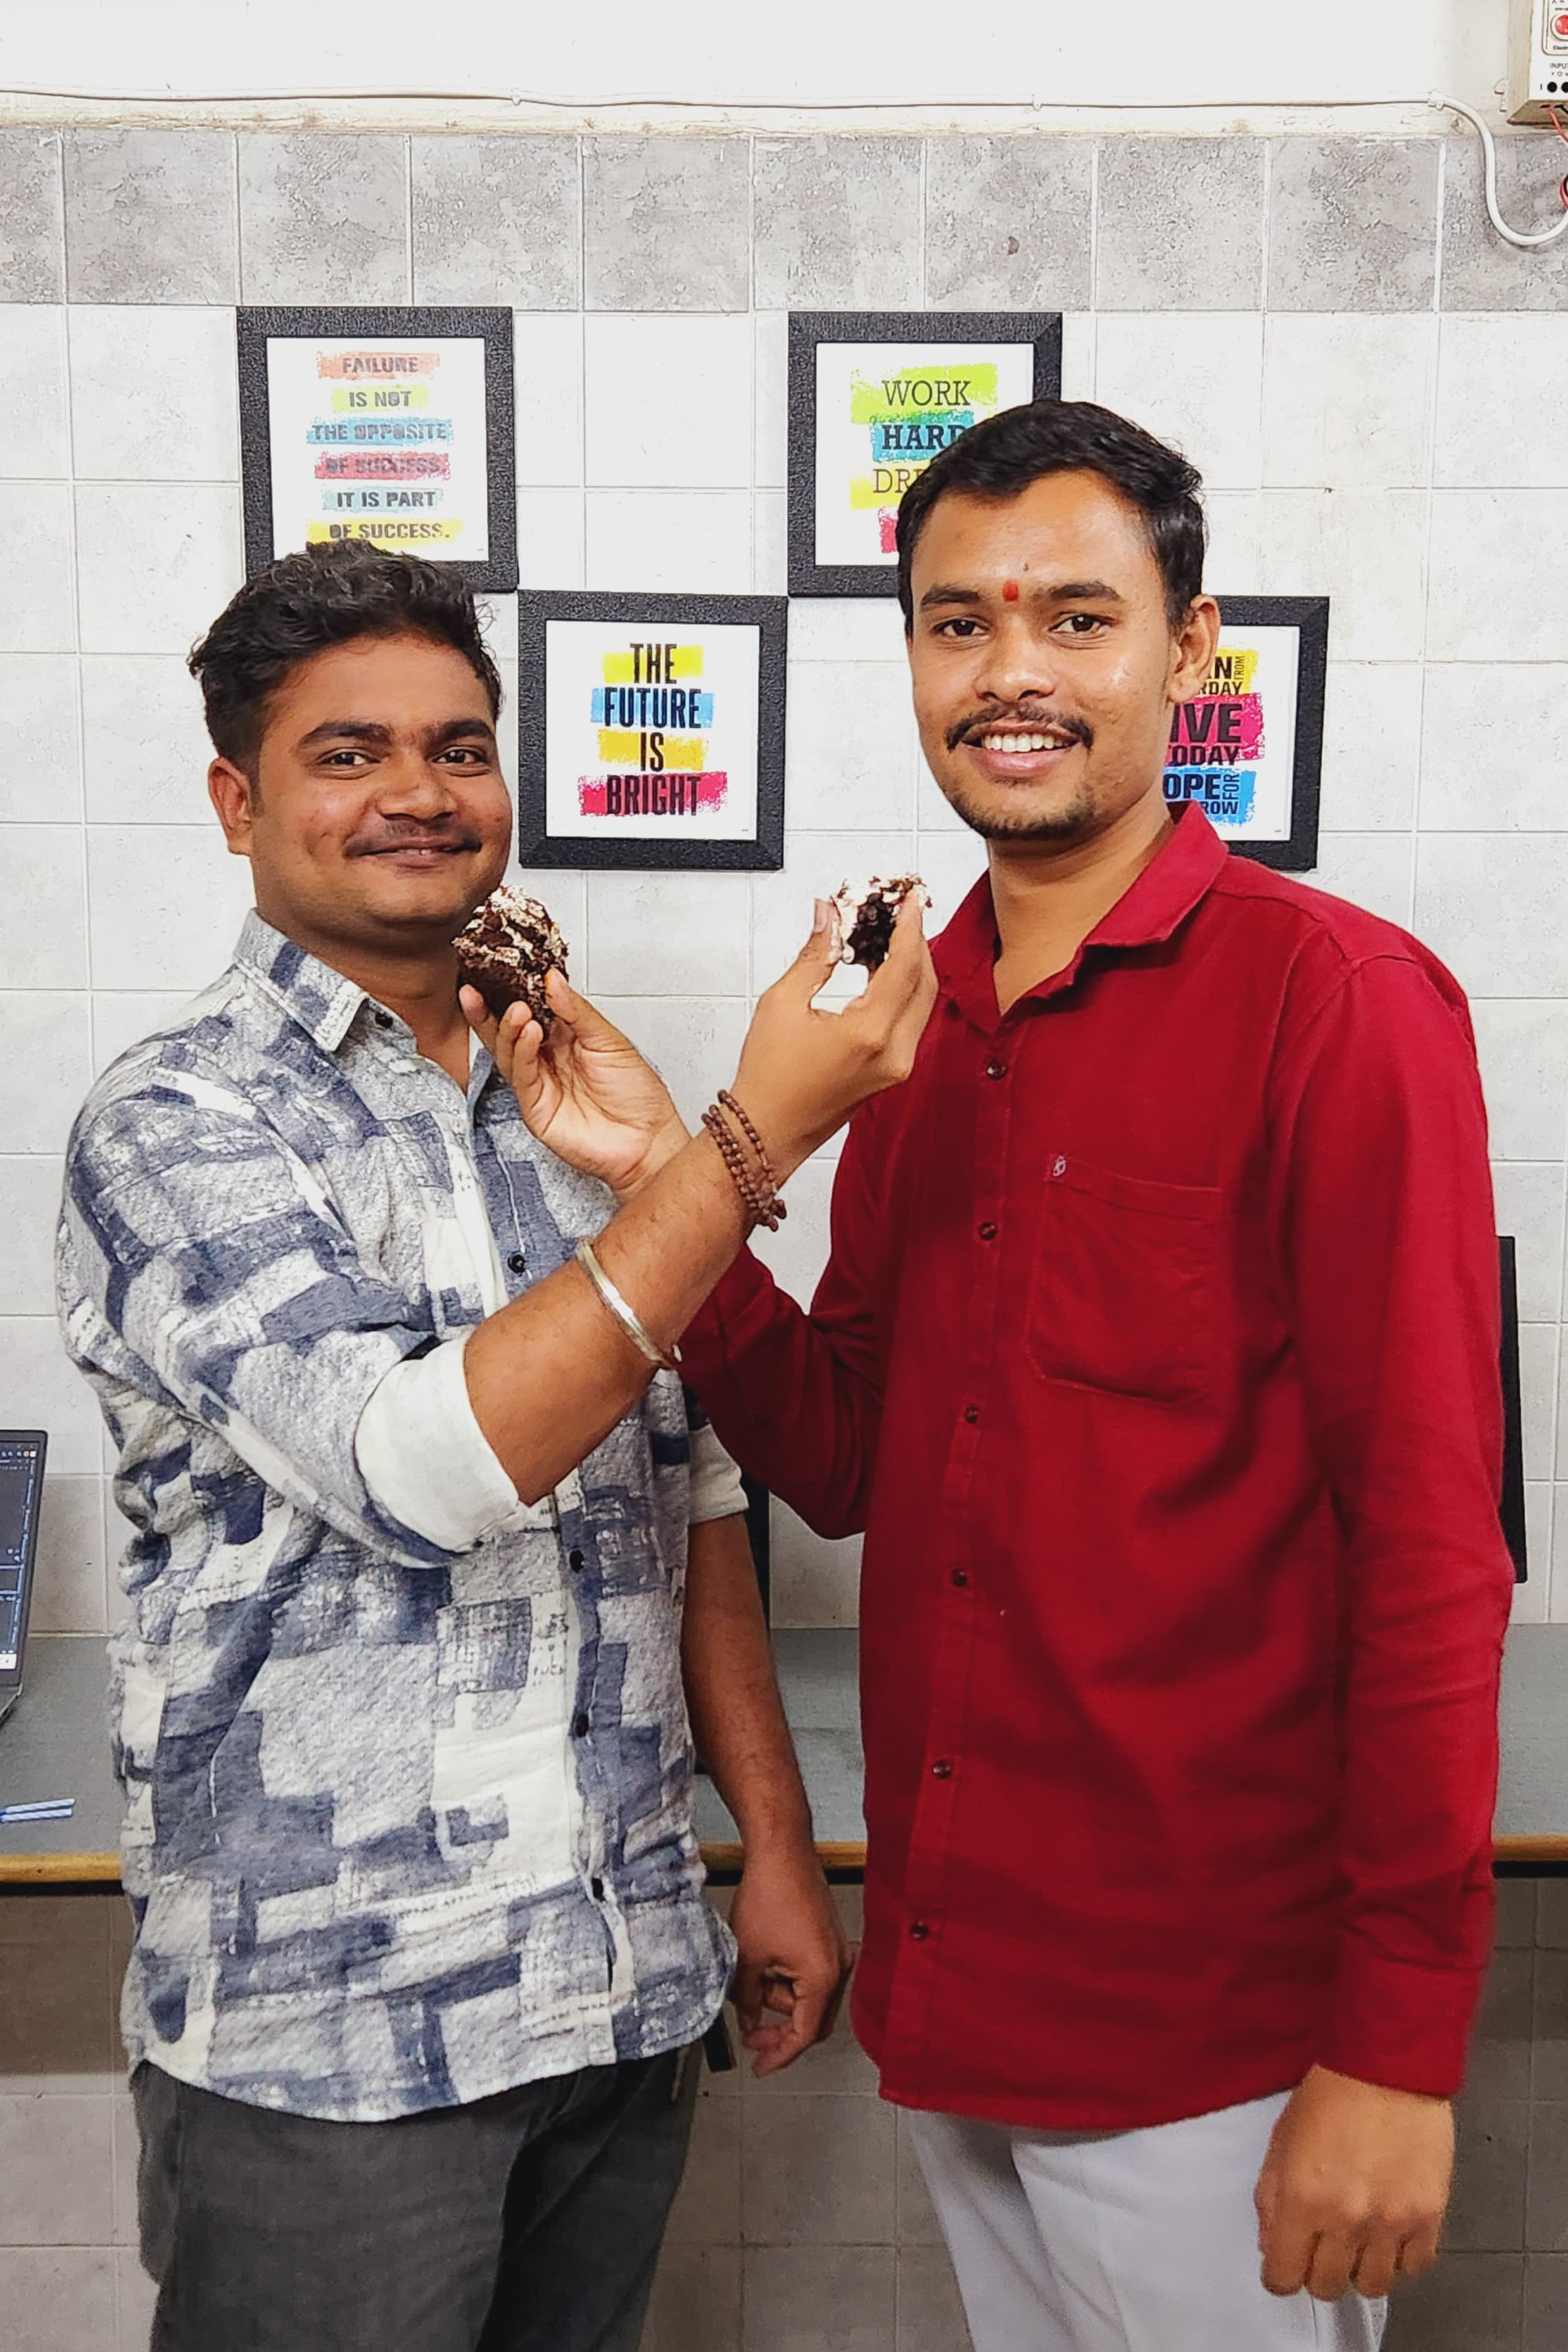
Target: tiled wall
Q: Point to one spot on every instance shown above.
(1372, 386)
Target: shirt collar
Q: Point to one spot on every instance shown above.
(1150, 909)
(321, 1000)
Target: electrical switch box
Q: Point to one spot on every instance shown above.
(1538, 61)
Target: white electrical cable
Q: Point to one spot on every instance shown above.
(1525, 239)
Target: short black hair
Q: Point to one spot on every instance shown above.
(1001, 458)
(325, 595)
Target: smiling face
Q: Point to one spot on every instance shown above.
(378, 818)
(1043, 660)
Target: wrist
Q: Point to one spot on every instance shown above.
(664, 1145)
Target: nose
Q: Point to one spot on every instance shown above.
(1015, 665)
(409, 784)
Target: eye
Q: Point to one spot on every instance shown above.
(347, 758)
(963, 626)
(1082, 624)
(469, 754)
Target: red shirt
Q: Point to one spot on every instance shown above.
(1157, 1357)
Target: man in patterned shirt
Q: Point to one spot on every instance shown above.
(402, 1701)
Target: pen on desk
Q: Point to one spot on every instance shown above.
(47, 1809)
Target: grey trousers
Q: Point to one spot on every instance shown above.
(526, 2222)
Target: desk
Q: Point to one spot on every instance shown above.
(56, 1744)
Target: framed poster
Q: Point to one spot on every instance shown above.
(1249, 749)
(392, 425)
(651, 731)
(873, 396)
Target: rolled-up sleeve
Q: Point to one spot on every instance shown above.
(200, 1260)
(422, 1455)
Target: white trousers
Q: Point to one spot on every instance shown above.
(1125, 2241)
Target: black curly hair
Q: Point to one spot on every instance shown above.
(322, 596)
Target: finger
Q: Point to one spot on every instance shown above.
(746, 1990)
(1334, 2258)
(511, 1029)
(1419, 2252)
(479, 1016)
(577, 1016)
(819, 960)
(1289, 2242)
(1377, 2265)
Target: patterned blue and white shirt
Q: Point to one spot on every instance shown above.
(407, 1763)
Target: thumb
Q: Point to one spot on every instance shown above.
(576, 1015)
(819, 957)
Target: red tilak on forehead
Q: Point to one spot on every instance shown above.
(1009, 591)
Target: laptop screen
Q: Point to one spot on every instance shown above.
(21, 1496)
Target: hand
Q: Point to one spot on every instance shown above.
(585, 1090)
(802, 1072)
(794, 1962)
(1353, 2189)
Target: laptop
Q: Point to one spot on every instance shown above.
(22, 1455)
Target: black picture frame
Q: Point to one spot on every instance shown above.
(1309, 616)
(807, 329)
(762, 851)
(1511, 1510)
(256, 327)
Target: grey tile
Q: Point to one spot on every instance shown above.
(1465, 2303)
(915, 2221)
(707, 2208)
(126, 2150)
(1352, 224)
(1009, 223)
(1549, 2049)
(836, 223)
(1181, 224)
(32, 218)
(57, 2298)
(819, 2299)
(150, 216)
(696, 2305)
(322, 214)
(496, 220)
(1486, 2214)
(818, 2172)
(138, 2298)
(1546, 2211)
(837, 2065)
(1546, 2302)
(56, 2020)
(1551, 1915)
(930, 2311)
(1480, 272)
(57, 2161)
(667, 225)
(1500, 2050)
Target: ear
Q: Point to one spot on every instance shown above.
(233, 795)
(1194, 650)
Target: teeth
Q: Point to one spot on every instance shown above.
(1024, 743)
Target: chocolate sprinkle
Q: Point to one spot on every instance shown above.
(865, 918)
(506, 950)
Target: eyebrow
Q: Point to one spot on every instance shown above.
(373, 732)
(1054, 591)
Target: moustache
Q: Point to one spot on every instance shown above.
(413, 835)
(1020, 722)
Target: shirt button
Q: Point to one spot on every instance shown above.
(960, 1577)
(517, 1261)
(941, 1770)
(579, 1727)
(919, 1931)
(972, 1414)
(574, 1559)
(1058, 1166)
(383, 1019)
(995, 1069)
(988, 1231)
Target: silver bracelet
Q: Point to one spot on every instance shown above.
(629, 1322)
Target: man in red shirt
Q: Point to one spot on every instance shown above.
(1157, 1358)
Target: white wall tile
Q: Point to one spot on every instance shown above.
(950, 864)
(564, 891)
(29, 1209)
(1347, 401)
(550, 538)
(158, 564)
(547, 348)
(770, 543)
(36, 443)
(165, 904)
(1533, 1600)
(1537, 1352)
(43, 939)
(771, 459)
(850, 733)
(673, 934)
(154, 394)
(847, 628)
(667, 403)
(144, 741)
(45, 1065)
(1492, 907)
(1375, 870)
(40, 738)
(1079, 337)
(1234, 563)
(1498, 592)
(797, 1252)
(1372, 746)
(37, 599)
(1529, 1206)
(691, 542)
(812, 1580)
(122, 1021)
(40, 1388)
(1364, 549)
(70, 1594)
(693, 1042)
(1491, 748)
(1499, 401)
(1523, 1050)
(1192, 379)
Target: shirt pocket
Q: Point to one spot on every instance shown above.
(1126, 1288)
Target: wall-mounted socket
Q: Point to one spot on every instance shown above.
(1537, 61)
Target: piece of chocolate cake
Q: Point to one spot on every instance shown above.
(507, 949)
(865, 918)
